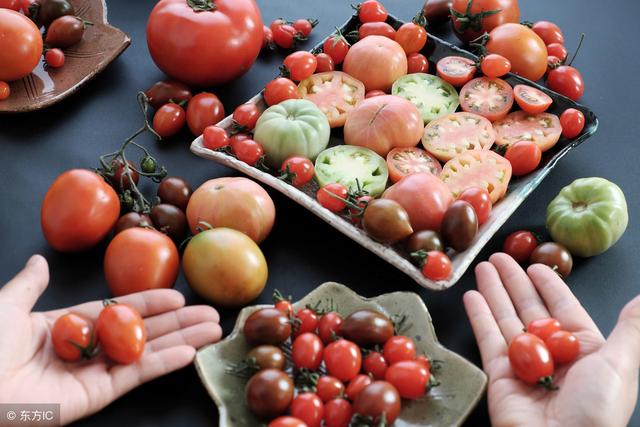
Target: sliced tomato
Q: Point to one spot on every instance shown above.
(334, 92)
(478, 168)
(456, 133)
(531, 100)
(491, 98)
(456, 70)
(406, 161)
(544, 129)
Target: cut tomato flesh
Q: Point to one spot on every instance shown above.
(490, 98)
(407, 161)
(456, 133)
(544, 129)
(531, 100)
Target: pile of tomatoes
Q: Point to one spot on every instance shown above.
(324, 369)
(526, 247)
(287, 34)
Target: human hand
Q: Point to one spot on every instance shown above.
(31, 372)
(599, 388)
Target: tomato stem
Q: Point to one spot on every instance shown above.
(577, 49)
(201, 5)
(469, 20)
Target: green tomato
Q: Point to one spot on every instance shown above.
(588, 216)
(295, 127)
(430, 94)
(350, 165)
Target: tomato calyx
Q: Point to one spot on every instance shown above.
(305, 380)
(277, 297)
(468, 20)
(245, 369)
(547, 383)
(419, 257)
(420, 19)
(368, 421)
(399, 322)
(479, 45)
(201, 5)
(89, 351)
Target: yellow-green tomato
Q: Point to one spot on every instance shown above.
(225, 267)
(588, 216)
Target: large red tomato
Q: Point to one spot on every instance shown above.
(78, 211)
(470, 24)
(377, 62)
(204, 43)
(424, 197)
(20, 45)
(522, 47)
(237, 203)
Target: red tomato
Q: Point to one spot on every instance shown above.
(448, 136)
(378, 53)
(285, 36)
(524, 157)
(530, 359)
(494, 66)
(490, 98)
(563, 346)
(329, 388)
(373, 93)
(424, 361)
(558, 50)
(336, 47)
(5, 90)
(437, 266)
(402, 162)
(73, 337)
(308, 321)
(356, 385)
(169, 120)
(544, 129)
(205, 43)
(20, 45)
(531, 100)
(248, 151)
(78, 211)
(120, 180)
(306, 351)
(409, 377)
(301, 65)
(297, 169)
(548, 32)
(325, 63)
(526, 52)
(332, 201)
(412, 37)
(543, 328)
(471, 24)
(121, 333)
(567, 81)
(238, 137)
(246, 116)
(456, 70)
(519, 245)
(343, 359)
(379, 399)
(305, 26)
(204, 109)
(286, 421)
(424, 197)
(10, 4)
(54, 58)
(480, 200)
(267, 37)
(357, 214)
(376, 29)
(372, 11)
(337, 413)
(572, 122)
(417, 63)
(553, 62)
(329, 326)
(399, 348)
(375, 365)
(284, 306)
(277, 23)
(214, 137)
(280, 89)
(308, 408)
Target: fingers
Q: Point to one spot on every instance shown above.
(195, 336)
(497, 298)
(622, 348)
(181, 318)
(27, 286)
(523, 294)
(488, 336)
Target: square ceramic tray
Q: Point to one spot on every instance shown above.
(519, 187)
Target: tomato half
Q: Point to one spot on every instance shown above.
(490, 98)
(376, 61)
(531, 100)
(544, 129)
(406, 161)
(335, 93)
(456, 70)
(456, 133)
(20, 45)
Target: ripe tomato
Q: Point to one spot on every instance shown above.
(343, 359)
(138, 259)
(378, 399)
(329, 388)
(563, 346)
(277, 23)
(480, 200)
(308, 408)
(450, 135)
(285, 36)
(204, 109)
(375, 365)
(286, 421)
(132, 219)
(284, 306)
(548, 32)
(376, 29)
(334, 204)
(10, 4)
(337, 413)
(121, 333)
(417, 63)
(437, 266)
(267, 326)
(470, 18)
(490, 98)
(267, 357)
(54, 58)
(567, 81)
(412, 37)
(543, 328)
(247, 150)
(73, 337)
(526, 52)
(169, 120)
(424, 361)
(267, 38)
(524, 157)
(280, 89)
(544, 129)
(474, 168)
(531, 100)
(329, 326)
(170, 220)
(530, 360)
(78, 211)
(555, 256)
(205, 43)
(175, 191)
(307, 321)
(298, 169)
(64, 32)
(214, 137)
(402, 162)
(246, 115)
(301, 65)
(165, 91)
(306, 351)
(373, 93)
(399, 348)
(305, 26)
(120, 180)
(558, 50)
(409, 377)
(336, 47)
(5, 90)
(356, 385)
(237, 203)
(20, 45)
(269, 393)
(456, 70)
(335, 93)
(494, 66)
(376, 53)
(572, 122)
(325, 63)
(371, 11)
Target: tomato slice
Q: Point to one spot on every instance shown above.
(456, 133)
(430, 94)
(490, 98)
(531, 100)
(544, 129)
(478, 168)
(406, 161)
(334, 92)
(456, 70)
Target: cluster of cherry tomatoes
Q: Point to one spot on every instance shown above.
(119, 331)
(526, 247)
(328, 370)
(287, 34)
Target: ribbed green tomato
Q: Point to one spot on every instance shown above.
(345, 164)
(588, 216)
(295, 127)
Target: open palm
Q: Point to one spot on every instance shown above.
(599, 388)
(30, 371)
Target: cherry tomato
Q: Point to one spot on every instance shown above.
(375, 92)
(267, 357)
(524, 157)
(10, 4)
(412, 37)
(409, 377)
(54, 58)
(376, 29)
(214, 137)
(284, 35)
(563, 346)
(307, 321)
(356, 385)
(5, 90)
(548, 32)
(572, 122)
(337, 413)
(304, 26)
(267, 326)
(175, 191)
(456, 70)
(329, 388)
(336, 47)
(204, 109)
(299, 168)
(308, 408)
(277, 23)
(329, 326)
(65, 31)
(343, 359)
(325, 63)
(417, 63)
(494, 65)
(558, 50)
(246, 115)
(437, 266)
(169, 120)
(480, 200)
(267, 37)
(334, 204)
(358, 214)
(165, 91)
(306, 351)
(286, 421)
(301, 65)
(399, 348)
(520, 245)
(120, 181)
(530, 359)
(554, 256)
(567, 81)
(280, 89)
(21, 45)
(130, 220)
(375, 365)
(269, 393)
(238, 137)
(543, 328)
(531, 100)
(424, 361)
(247, 150)
(378, 399)
(121, 333)
(284, 306)
(73, 338)
(372, 11)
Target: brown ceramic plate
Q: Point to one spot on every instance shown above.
(100, 45)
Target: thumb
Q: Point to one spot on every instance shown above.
(27, 286)
(623, 345)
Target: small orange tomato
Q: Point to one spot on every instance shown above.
(120, 331)
(73, 338)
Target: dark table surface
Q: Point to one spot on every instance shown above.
(302, 251)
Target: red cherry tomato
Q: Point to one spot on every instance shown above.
(306, 351)
(524, 157)
(480, 200)
(356, 214)
(494, 65)
(284, 35)
(307, 321)
(412, 37)
(238, 137)
(54, 58)
(284, 306)
(437, 266)
(73, 337)
(530, 359)
(563, 346)
(372, 11)
(572, 122)
(399, 348)
(329, 326)
(356, 385)
(280, 89)
(375, 365)
(375, 92)
(5, 90)
(336, 47)
(304, 26)
(325, 63)
(456, 70)
(301, 65)
(329, 388)
(203, 110)
(247, 150)
(214, 137)
(543, 328)
(246, 115)
(417, 63)
(169, 119)
(277, 23)
(121, 333)
(308, 408)
(267, 37)
(286, 421)
(567, 81)
(409, 377)
(519, 245)
(337, 413)
(548, 32)
(300, 169)
(343, 359)
(334, 204)
(424, 361)
(558, 50)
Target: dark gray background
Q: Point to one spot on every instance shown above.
(303, 251)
